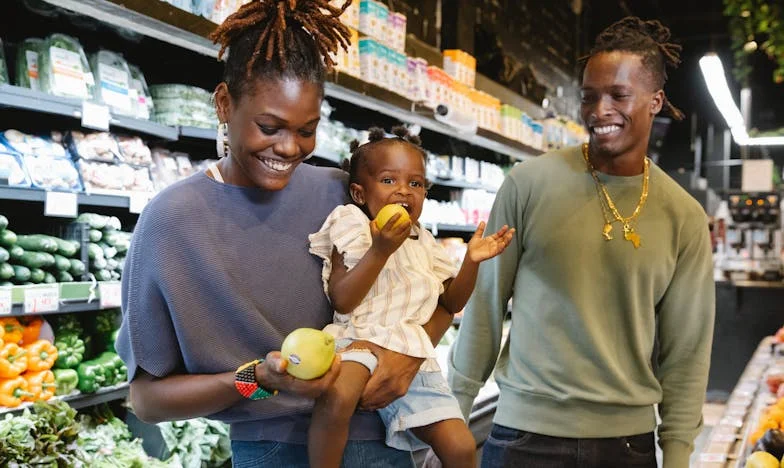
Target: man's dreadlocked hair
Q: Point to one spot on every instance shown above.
(650, 41)
(361, 153)
(280, 38)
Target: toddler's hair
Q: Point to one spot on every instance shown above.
(361, 153)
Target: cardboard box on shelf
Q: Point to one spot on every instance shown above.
(350, 16)
(348, 60)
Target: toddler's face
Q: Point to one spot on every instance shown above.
(394, 173)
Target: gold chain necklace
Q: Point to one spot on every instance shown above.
(607, 204)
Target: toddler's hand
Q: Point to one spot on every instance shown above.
(387, 240)
(482, 248)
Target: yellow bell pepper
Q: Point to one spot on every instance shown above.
(13, 330)
(32, 329)
(41, 385)
(13, 360)
(41, 355)
(12, 391)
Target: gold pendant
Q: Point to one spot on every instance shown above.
(631, 236)
(606, 231)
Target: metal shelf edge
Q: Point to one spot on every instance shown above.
(80, 400)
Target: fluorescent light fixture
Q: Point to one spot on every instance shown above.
(715, 79)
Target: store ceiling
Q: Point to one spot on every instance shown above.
(701, 27)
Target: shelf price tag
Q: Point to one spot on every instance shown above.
(42, 299)
(5, 301)
(61, 205)
(713, 457)
(95, 116)
(137, 201)
(110, 295)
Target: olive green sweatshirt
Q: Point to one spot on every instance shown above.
(586, 311)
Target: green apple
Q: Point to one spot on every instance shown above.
(309, 352)
(387, 212)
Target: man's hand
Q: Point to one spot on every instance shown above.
(391, 379)
(271, 374)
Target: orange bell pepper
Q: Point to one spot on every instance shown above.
(12, 391)
(13, 360)
(40, 384)
(41, 355)
(31, 331)
(13, 330)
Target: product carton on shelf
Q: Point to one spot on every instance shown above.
(350, 16)
(417, 79)
(396, 26)
(461, 66)
(348, 61)
(373, 19)
(371, 56)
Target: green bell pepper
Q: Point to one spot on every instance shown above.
(70, 350)
(104, 321)
(66, 381)
(111, 340)
(91, 376)
(68, 323)
(113, 367)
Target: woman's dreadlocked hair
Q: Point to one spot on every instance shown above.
(649, 40)
(280, 38)
(361, 153)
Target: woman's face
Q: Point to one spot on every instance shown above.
(272, 129)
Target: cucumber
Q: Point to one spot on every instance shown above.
(95, 221)
(6, 283)
(112, 264)
(98, 264)
(49, 278)
(6, 271)
(7, 238)
(36, 260)
(21, 274)
(120, 263)
(3, 222)
(77, 267)
(37, 243)
(108, 251)
(113, 224)
(37, 275)
(94, 251)
(115, 276)
(16, 252)
(66, 248)
(4, 255)
(122, 245)
(64, 277)
(95, 235)
(61, 263)
(111, 237)
(102, 275)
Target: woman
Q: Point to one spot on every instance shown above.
(219, 270)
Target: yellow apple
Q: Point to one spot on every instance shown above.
(761, 460)
(309, 351)
(387, 212)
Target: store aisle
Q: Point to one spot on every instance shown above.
(711, 415)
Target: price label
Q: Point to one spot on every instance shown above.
(61, 205)
(726, 437)
(137, 201)
(42, 299)
(95, 116)
(110, 295)
(5, 301)
(713, 457)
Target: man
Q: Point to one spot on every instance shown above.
(611, 255)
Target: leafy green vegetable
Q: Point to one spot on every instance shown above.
(197, 443)
(27, 63)
(70, 54)
(3, 66)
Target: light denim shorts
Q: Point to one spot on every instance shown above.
(428, 401)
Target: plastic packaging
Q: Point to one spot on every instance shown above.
(27, 63)
(94, 146)
(63, 68)
(169, 167)
(3, 66)
(140, 95)
(52, 173)
(134, 151)
(178, 104)
(11, 169)
(116, 177)
(31, 145)
(113, 80)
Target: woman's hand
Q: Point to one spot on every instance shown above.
(272, 375)
(391, 379)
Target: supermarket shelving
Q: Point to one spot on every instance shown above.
(80, 400)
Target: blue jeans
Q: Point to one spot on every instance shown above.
(506, 447)
(358, 454)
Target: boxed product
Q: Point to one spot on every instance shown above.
(471, 170)
(372, 60)
(350, 16)
(134, 151)
(398, 72)
(417, 78)
(396, 31)
(100, 176)
(113, 81)
(348, 60)
(439, 88)
(3, 66)
(511, 122)
(223, 8)
(63, 68)
(11, 169)
(27, 63)
(140, 95)
(99, 146)
(373, 18)
(461, 66)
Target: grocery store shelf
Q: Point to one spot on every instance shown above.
(462, 184)
(80, 400)
(37, 101)
(753, 284)
(139, 16)
(83, 199)
(456, 227)
(198, 133)
(74, 297)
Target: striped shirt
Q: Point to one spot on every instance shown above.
(404, 295)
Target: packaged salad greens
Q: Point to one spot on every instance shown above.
(3, 66)
(143, 104)
(113, 81)
(63, 68)
(27, 63)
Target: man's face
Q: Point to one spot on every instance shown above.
(619, 102)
